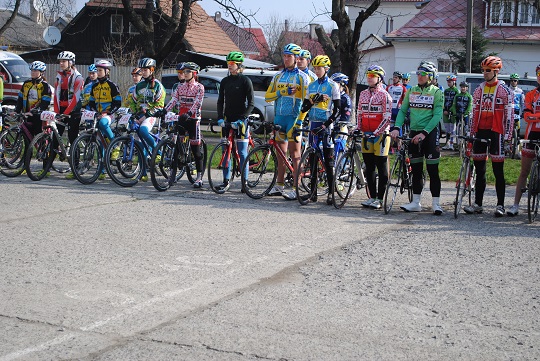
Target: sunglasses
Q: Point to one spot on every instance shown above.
(372, 75)
(423, 73)
(538, 73)
(486, 70)
(180, 71)
(188, 71)
(513, 80)
(231, 62)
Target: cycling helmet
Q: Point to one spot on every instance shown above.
(92, 68)
(66, 55)
(321, 60)
(464, 84)
(235, 56)
(538, 68)
(292, 49)
(103, 64)
(340, 78)
(514, 76)
(451, 77)
(146, 63)
(38, 65)
(491, 62)
(398, 74)
(407, 76)
(376, 69)
(429, 67)
(179, 66)
(191, 66)
(305, 54)
(136, 71)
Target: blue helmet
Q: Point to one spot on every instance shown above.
(340, 78)
(92, 68)
(305, 54)
(292, 49)
(38, 65)
(407, 76)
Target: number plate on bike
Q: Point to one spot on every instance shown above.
(171, 117)
(124, 119)
(48, 116)
(87, 116)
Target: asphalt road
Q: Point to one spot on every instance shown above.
(101, 272)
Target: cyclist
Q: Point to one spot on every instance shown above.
(287, 89)
(345, 105)
(374, 111)
(67, 97)
(302, 62)
(448, 118)
(492, 118)
(519, 96)
(397, 92)
(425, 102)
(136, 76)
(406, 79)
(462, 104)
(189, 97)
(88, 83)
(35, 94)
(235, 103)
(531, 114)
(323, 100)
(147, 99)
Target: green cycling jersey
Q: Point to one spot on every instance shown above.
(426, 108)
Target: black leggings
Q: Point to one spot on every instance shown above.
(199, 157)
(498, 172)
(381, 163)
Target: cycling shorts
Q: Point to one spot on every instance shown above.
(378, 146)
(193, 128)
(428, 148)
(496, 147)
(528, 150)
(286, 122)
(324, 136)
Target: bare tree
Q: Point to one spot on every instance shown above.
(117, 50)
(10, 19)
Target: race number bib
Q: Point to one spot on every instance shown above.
(87, 116)
(124, 119)
(171, 117)
(48, 116)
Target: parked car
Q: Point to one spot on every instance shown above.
(211, 79)
(14, 71)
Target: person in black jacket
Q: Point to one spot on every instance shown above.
(235, 103)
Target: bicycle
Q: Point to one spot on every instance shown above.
(533, 184)
(225, 155)
(462, 130)
(172, 157)
(349, 171)
(467, 174)
(40, 155)
(126, 157)
(262, 166)
(511, 147)
(89, 147)
(400, 177)
(14, 141)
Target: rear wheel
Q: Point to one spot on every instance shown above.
(191, 168)
(394, 183)
(311, 180)
(534, 189)
(39, 156)
(161, 171)
(13, 145)
(345, 180)
(124, 160)
(261, 171)
(87, 153)
(221, 158)
(462, 187)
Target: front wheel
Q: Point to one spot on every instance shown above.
(221, 158)
(311, 177)
(191, 168)
(162, 170)
(13, 145)
(125, 161)
(39, 156)
(461, 186)
(534, 189)
(260, 175)
(394, 183)
(345, 179)
(87, 154)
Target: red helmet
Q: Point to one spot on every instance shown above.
(492, 62)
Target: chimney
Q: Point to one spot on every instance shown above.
(312, 33)
(217, 16)
(286, 25)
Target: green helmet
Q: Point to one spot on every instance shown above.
(235, 56)
(514, 76)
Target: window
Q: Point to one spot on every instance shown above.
(117, 24)
(528, 15)
(444, 65)
(502, 13)
(133, 29)
(211, 86)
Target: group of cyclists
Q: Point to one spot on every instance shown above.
(384, 114)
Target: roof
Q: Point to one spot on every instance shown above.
(203, 35)
(22, 33)
(429, 24)
(241, 37)
(304, 40)
(248, 63)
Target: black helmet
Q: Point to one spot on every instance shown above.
(464, 84)
(147, 63)
(191, 66)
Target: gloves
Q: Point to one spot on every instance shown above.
(317, 98)
(221, 122)
(238, 124)
(290, 90)
(183, 118)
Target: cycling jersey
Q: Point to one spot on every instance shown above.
(519, 100)
(285, 104)
(189, 97)
(345, 108)
(236, 98)
(148, 94)
(426, 108)
(374, 110)
(493, 108)
(532, 108)
(34, 94)
(397, 92)
(462, 104)
(85, 95)
(104, 96)
(320, 111)
(449, 94)
(311, 75)
(68, 87)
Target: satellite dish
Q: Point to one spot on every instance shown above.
(52, 35)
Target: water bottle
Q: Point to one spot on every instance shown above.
(408, 163)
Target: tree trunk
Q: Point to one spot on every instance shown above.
(12, 17)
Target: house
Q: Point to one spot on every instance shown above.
(244, 39)
(512, 27)
(305, 39)
(260, 42)
(24, 33)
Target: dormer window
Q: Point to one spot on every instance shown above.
(502, 13)
(513, 13)
(528, 15)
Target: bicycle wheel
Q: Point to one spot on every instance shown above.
(261, 172)
(220, 158)
(534, 189)
(124, 160)
(87, 153)
(345, 180)
(160, 173)
(306, 185)
(462, 187)
(13, 145)
(191, 168)
(39, 157)
(394, 183)
(514, 144)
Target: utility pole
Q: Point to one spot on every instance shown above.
(468, 50)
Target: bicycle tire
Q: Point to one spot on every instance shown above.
(534, 189)
(461, 186)
(160, 173)
(190, 168)
(345, 179)
(39, 157)
(89, 153)
(217, 162)
(305, 192)
(262, 171)
(128, 168)
(515, 144)
(394, 183)
(13, 145)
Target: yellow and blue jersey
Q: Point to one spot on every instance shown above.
(287, 104)
(104, 96)
(320, 112)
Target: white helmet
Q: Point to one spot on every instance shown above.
(103, 64)
(66, 55)
(38, 65)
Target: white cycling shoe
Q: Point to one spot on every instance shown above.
(414, 206)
